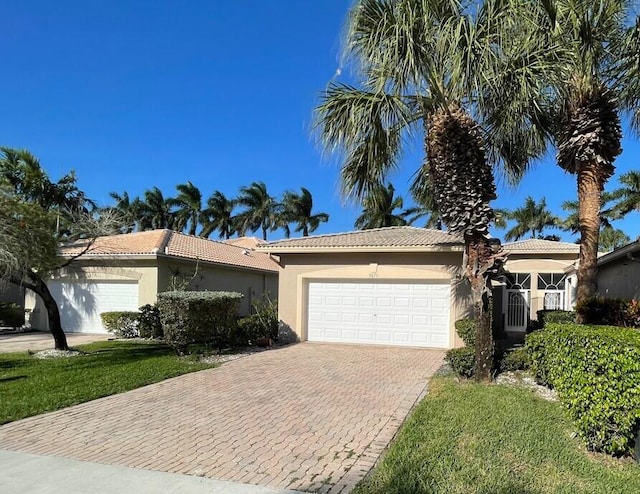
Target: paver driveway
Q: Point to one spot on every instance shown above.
(311, 417)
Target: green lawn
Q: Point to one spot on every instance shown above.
(30, 386)
(471, 438)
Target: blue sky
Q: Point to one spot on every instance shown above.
(221, 93)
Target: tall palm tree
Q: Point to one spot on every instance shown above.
(156, 211)
(298, 208)
(379, 206)
(532, 218)
(424, 62)
(219, 216)
(128, 210)
(572, 222)
(189, 204)
(260, 210)
(612, 238)
(578, 104)
(627, 196)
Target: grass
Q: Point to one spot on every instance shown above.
(472, 438)
(30, 386)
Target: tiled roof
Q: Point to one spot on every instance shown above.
(245, 242)
(534, 245)
(390, 238)
(174, 244)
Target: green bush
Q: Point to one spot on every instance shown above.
(555, 316)
(462, 360)
(610, 311)
(514, 359)
(596, 372)
(11, 315)
(466, 329)
(149, 325)
(262, 323)
(122, 324)
(193, 317)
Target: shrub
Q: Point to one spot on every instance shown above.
(596, 371)
(11, 315)
(149, 325)
(198, 317)
(263, 323)
(610, 311)
(462, 360)
(122, 324)
(555, 316)
(466, 329)
(514, 359)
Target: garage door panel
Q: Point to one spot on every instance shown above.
(413, 314)
(81, 303)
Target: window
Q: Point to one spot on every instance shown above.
(518, 281)
(551, 281)
(553, 301)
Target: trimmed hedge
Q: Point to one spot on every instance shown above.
(555, 316)
(462, 360)
(514, 359)
(596, 371)
(193, 317)
(466, 329)
(122, 324)
(263, 323)
(610, 311)
(149, 322)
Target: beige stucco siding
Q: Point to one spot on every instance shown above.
(300, 269)
(619, 279)
(252, 284)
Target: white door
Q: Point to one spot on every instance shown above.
(403, 314)
(81, 303)
(517, 302)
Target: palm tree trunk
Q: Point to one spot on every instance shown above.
(40, 288)
(305, 230)
(264, 233)
(590, 185)
(478, 256)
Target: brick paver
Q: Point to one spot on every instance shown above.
(310, 417)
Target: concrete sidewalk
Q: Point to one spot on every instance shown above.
(42, 340)
(24, 473)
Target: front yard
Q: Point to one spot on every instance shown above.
(472, 438)
(30, 386)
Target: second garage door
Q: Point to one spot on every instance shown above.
(81, 303)
(404, 314)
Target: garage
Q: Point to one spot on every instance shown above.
(403, 313)
(81, 303)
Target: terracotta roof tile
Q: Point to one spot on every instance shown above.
(390, 238)
(173, 244)
(535, 245)
(245, 242)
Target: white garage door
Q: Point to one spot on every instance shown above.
(405, 314)
(81, 303)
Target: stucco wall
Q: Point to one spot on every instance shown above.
(619, 279)
(300, 269)
(533, 264)
(252, 284)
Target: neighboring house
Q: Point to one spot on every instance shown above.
(535, 279)
(619, 272)
(124, 272)
(13, 294)
(389, 286)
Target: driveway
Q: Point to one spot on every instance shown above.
(39, 340)
(310, 417)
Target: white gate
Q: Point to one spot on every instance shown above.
(517, 302)
(554, 300)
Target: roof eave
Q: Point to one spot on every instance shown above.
(398, 249)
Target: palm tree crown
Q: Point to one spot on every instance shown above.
(189, 204)
(379, 208)
(219, 216)
(298, 209)
(532, 218)
(260, 210)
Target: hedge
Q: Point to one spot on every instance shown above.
(122, 324)
(190, 317)
(463, 360)
(555, 316)
(610, 311)
(149, 322)
(596, 372)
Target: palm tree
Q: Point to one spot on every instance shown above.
(379, 207)
(572, 222)
(628, 196)
(260, 210)
(532, 218)
(612, 238)
(156, 211)
(423, 61)
(426, 206)
(189, 204)
(128, 210)
(298, 208)
(578, 104)
(219, 216)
